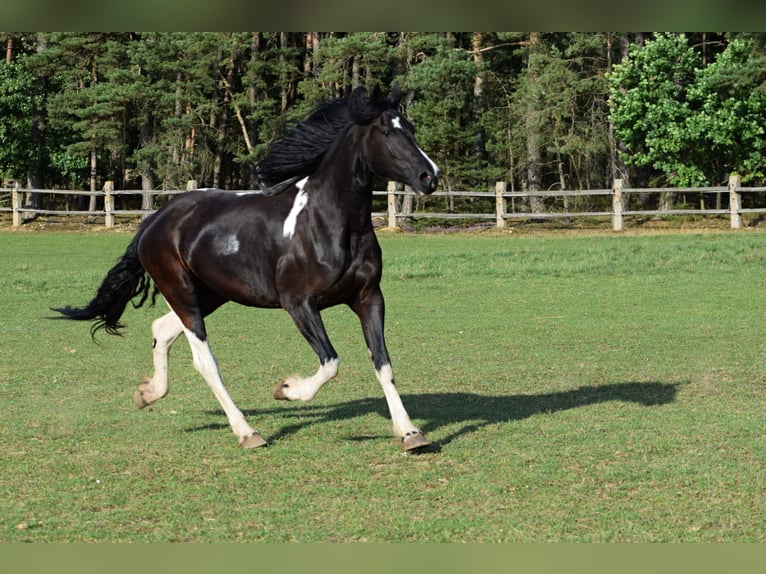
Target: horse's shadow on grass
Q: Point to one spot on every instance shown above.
(470, 411)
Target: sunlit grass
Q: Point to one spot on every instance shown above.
(580, 388)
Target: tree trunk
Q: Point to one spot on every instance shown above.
(617, 168)
(478, 93)
(283, 90)
(35, 177)
(311, 44)
(355, 63)
(191, 136)
(223, 125)
(93, 151)
(93, 175)
(253, 125)
(175, 151)
(532, 125)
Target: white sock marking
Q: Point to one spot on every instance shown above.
(305, 389)
(288, 229)
(399, 416)
(165, 331)
(205, 363)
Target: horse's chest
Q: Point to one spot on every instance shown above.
(329, 274)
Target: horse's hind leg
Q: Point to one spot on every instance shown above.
(165, 331)
(205, 363)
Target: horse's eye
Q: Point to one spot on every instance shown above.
(386, 132)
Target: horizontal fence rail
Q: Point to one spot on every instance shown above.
(398, 209)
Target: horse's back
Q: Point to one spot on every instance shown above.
(235, 244)
(189, 215)
(220, 239)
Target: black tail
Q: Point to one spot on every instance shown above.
(125, 281)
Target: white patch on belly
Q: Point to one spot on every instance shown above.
(301, 199)
(226, 245)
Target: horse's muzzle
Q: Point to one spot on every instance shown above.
(429, 181)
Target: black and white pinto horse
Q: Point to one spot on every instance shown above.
(305, 242)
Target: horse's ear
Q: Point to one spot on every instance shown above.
(376, 94)
(357, 99)
(364, 108)
(396, 95)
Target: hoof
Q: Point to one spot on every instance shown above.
(415, 440)
(140, 397)
(279, 391)
(253, 441)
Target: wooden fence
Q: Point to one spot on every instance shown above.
(394, 213)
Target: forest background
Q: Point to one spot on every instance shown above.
(537, 110)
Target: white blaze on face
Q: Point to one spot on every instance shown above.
(301, 199)
(429, 160)
(397, 123)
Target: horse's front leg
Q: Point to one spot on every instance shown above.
(371, 312)
(309, 322)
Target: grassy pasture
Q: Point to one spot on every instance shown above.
(580, 388)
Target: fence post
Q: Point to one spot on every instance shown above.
(16, 204)
(390, 189)
(735, 201)
(617, 205)
(108, 204)
(191, 185)
(499, 204)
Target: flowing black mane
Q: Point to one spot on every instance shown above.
(299, 153)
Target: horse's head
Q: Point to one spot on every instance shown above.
(388, 142)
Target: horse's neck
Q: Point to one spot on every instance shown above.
(346, 188)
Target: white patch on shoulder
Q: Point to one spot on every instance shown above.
(301, 199)
(226, 245)
(255, 192)
(397, 123)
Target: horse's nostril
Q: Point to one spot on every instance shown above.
(429, 180)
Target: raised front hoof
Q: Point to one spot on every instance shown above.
(253, 441)
(142, 397)
(415, 442)
(280, 390)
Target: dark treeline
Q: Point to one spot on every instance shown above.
(537, 110)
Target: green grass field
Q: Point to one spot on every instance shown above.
(580, 388)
